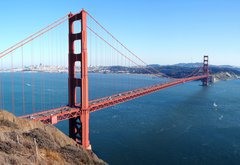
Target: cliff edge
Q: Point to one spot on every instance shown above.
(29, 142)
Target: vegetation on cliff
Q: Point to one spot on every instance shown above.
(29, 142)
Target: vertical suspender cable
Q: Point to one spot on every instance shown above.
(12, 83)
(2, 86)
(49, 67)
(44, 70)
(32, 78)
(23, 92)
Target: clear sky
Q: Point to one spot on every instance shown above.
(158, 31)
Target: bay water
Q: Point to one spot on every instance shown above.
(185, 124)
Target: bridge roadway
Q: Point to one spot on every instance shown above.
(65, 112)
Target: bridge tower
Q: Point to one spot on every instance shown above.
(79, 126)
(205, 81)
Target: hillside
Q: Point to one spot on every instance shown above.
(29, 142)
(225, 76)
(223, 72)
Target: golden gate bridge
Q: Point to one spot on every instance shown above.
(90, 48)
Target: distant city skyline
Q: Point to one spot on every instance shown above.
(160, 32)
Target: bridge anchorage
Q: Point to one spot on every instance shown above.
(77, 112)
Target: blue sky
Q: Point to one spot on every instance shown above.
(163, 32)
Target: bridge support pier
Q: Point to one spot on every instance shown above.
(205, 81)
(79, 126)
(79, 129)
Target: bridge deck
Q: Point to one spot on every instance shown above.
(63, 113)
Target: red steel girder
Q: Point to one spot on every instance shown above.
(78, 124)
(65, 113)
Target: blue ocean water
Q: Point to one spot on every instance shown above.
(185, 124)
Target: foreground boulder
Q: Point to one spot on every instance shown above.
(29, 142)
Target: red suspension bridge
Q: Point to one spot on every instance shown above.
(35, 66)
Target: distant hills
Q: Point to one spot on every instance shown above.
(183, 69)
(177, 71)
(197, 64)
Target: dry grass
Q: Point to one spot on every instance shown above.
(51, 156)
(51, 146)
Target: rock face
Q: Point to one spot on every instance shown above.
(29, 142)
(225, 76)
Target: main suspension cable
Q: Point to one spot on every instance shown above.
(95, 33)
(164, 75)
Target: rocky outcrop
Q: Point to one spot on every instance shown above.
(225, 76)
(28, 142)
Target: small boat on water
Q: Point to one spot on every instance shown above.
(28, 84)
(214, 104)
